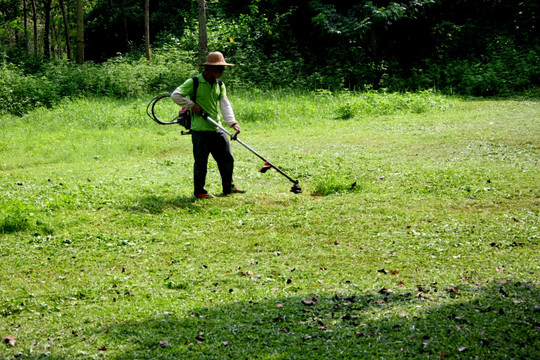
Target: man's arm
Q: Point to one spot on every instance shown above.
(181, 100)
(228, 114)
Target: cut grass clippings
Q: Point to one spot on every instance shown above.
(424, 243)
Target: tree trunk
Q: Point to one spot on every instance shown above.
(126, 34)
(25, 22)
(203, 39)
(147, 29)
(16, 30)
(46, 35)
(80, 32)
(66, 29)
(34, 19)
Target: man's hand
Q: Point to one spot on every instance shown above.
(237, 129)
(196, 109)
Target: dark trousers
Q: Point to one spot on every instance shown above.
(217, 144)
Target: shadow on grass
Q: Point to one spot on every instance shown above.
(498, 320)
(154, 204)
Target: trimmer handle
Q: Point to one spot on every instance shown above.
(208, 118)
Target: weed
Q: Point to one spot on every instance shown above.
(333, 183)
(19, 216)
(347, 110)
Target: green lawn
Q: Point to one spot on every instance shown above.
(434, 253)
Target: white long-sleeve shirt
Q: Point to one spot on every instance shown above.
(224, 104)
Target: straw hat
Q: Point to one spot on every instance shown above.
(215, 58)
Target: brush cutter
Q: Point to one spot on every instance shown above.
(267, 164)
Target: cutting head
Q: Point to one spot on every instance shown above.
(296, 189)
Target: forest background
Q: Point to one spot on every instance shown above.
(478, 48)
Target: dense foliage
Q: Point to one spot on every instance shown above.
(468, 47)
(459, 47)
(118, 77)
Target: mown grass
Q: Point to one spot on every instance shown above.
(416, 235)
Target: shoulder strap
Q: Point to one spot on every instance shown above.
(195, 86)
(220, 83)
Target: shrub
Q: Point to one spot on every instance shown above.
(20, 93)
(504, 69)
(120, 77)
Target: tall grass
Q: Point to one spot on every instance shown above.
(374, 103)
(304, 107)
(69, 131)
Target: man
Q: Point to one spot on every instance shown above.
(207, 138)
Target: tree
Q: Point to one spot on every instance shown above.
(47, 28)
(147, 29)
(113, 26)
(25, 22)
(34, 19)
(66, 29)
(80, 32)
(203, 38)
(125, 25)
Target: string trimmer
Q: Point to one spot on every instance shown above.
(267, 164)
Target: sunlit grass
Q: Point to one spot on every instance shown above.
(424, 243)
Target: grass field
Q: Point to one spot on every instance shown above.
(433, 253)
